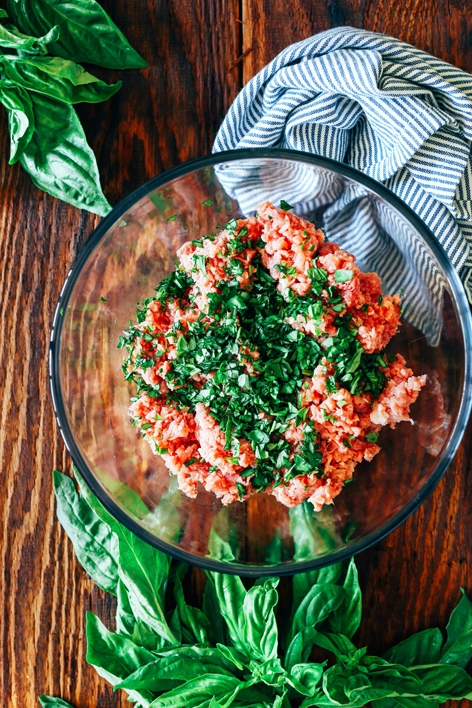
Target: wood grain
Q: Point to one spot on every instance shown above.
(167, 113)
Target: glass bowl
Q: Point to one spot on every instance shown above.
(134, 247)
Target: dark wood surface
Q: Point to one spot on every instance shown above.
(166, 114)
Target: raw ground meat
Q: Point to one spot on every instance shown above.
(343, 421)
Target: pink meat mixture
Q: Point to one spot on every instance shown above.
(341, 420)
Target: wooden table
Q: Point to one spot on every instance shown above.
(200, 53)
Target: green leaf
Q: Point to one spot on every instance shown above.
(338, 644)
(20, 117)
(58, 158)
(231, 594)
(421, 648)
(163, 674)
(305, 678)
(115, 657)
(57, 78)
(50, 702)
(144, 569)
(191, 617)
(261, 634)
(94, 544)
(200, 691)
(460, 651)
(444, 682)
(249, 615)
(209, 656)
(458, 647)
(316, 606)
(124, 618)
(212, 611)
(239, 659)
(343, 276)
(347, 617)
(87, 32)
(11, 38)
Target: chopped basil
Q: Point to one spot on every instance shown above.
(343, 276)
(285, 205)
(191, 461)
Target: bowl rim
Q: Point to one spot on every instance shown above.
(460, 304)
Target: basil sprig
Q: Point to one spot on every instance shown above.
(40, 81)
(167, 654)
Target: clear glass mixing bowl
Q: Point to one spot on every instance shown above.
(134, 247)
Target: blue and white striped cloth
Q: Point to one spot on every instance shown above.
(388, 109)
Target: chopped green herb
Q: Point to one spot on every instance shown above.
(191, 461)
(241, 489)
(343, 276)
(207, 202)
(285, 205)
(372, 437)
(172, 218)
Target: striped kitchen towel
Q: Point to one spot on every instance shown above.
(388, 109)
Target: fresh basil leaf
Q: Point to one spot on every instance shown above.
(261, 633)
(58, 158)
(338, 644)
(236, 657)
(200, 691)
(347, 617)
(163, 674)
(143, 570)
(212, 611)
(316, 606)
(305, 678)
(300, 647)
(394, 678)
(249, 615)
(11, 38)
(460, 651)
(50, 702)
(20, 117)
(209, 656)
(304, 582)
(321, 700)
(87, 33)
(175, 626)
(270, 672)
(57, 78)
(214, 703)
(231, 594)
(115, 657)
(124, 618)
(145, 637)
(458, 647)
(405, 702)
(191, 617)
(94, 544)
(421, 648)
(444, 682)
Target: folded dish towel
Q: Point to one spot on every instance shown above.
(388, 109)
